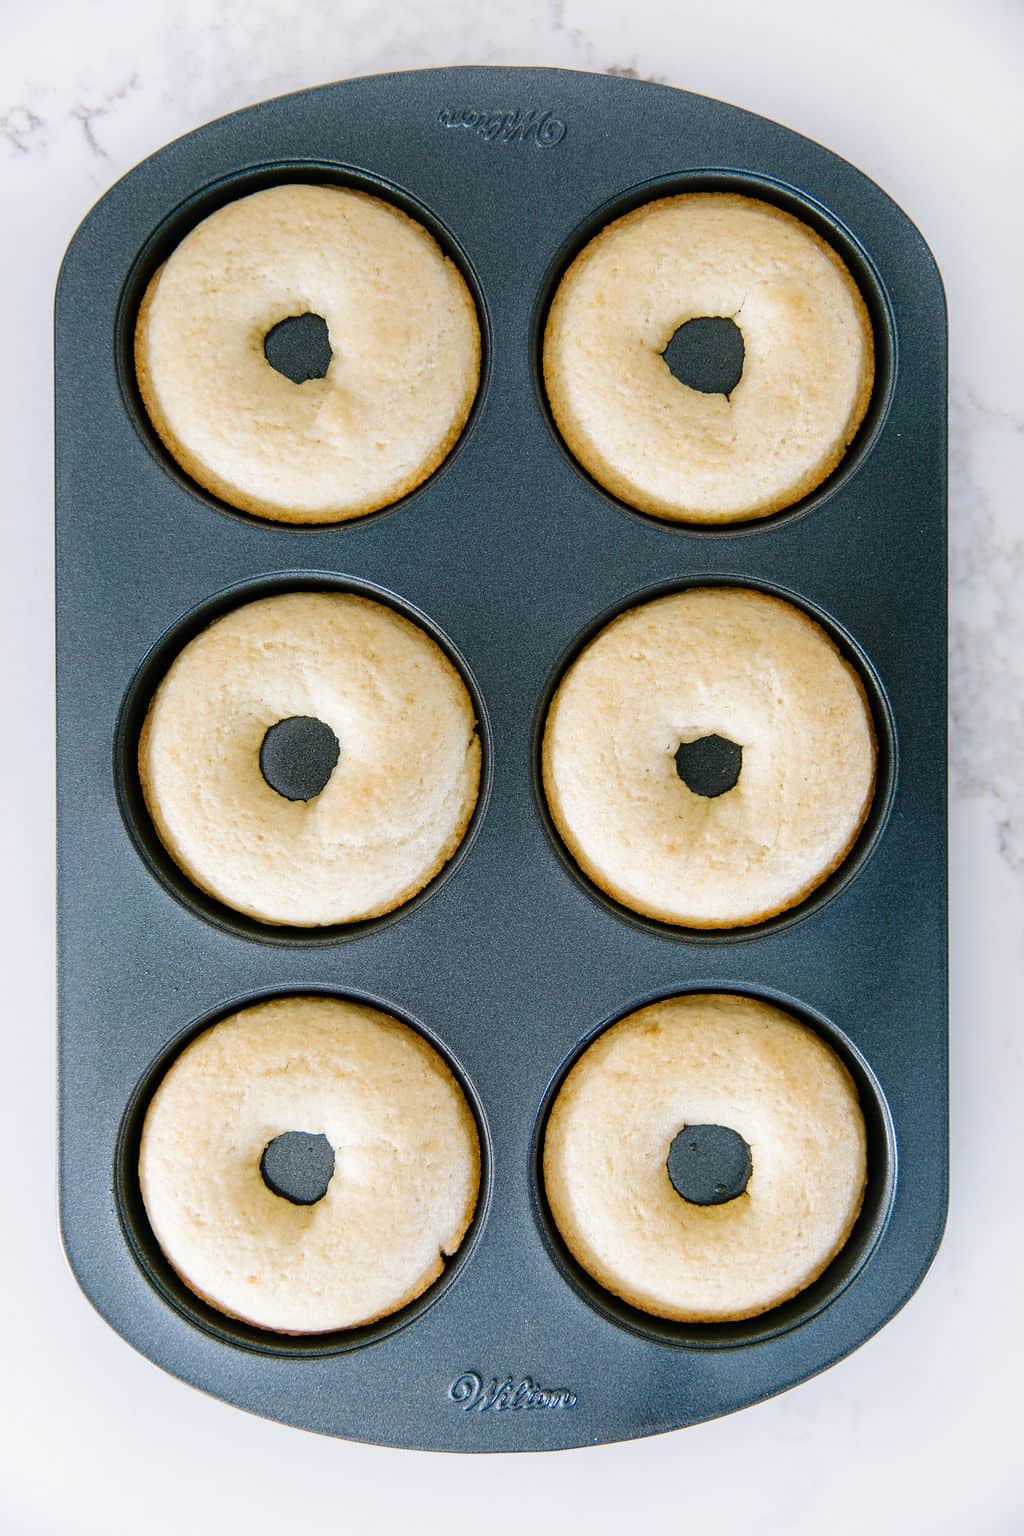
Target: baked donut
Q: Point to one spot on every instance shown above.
(808, 358)
(396, 804)
(403, 1180)
(709, 664)
(696, 1064)
(404, 340)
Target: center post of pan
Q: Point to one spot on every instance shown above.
(709, 1164)
(299, 347)
(707, 355)
(298, 756)
(709, 766)
(298, 1166)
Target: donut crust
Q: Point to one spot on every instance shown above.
(711, 1059)
(676, 452)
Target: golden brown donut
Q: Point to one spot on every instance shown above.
(406, 1164)
(710, 661)
(404, 338)
(674, 451)
(398, 801)
(709, 1059)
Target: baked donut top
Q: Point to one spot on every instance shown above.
(676, 451)
(729, 663)
(404, 365)
(396, 803)
(714, 1060)
(403, 1173)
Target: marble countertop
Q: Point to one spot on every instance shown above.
(918, 1431)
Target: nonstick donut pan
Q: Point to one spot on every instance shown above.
(510, 961)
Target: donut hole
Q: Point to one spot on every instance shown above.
(299, 347)
(707, 354)
(298, 1166)
(710, 765)
(709, 1164)
(298, 756)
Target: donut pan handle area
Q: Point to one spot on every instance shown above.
(511, 961)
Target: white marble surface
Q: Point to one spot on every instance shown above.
(919, 1431)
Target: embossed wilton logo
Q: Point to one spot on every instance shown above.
(469, 1392)
(533, 127)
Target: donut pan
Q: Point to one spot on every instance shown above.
(510, 961)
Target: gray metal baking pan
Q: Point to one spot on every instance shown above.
(510, 961)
